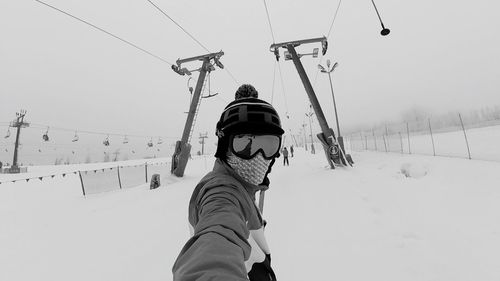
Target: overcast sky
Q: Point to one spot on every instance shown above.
(441, 55)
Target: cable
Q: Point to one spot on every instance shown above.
(232, 76)
(283, 89)
(185, 31)
(269, 21)
(42, 126)
(190, 35)
(102, 30)
(333, 21)
(328, 36)
(279, 66)
(274, 78)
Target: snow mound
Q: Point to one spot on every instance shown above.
(414, 170)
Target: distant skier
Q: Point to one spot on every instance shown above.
(285, 156)
(228, 241)
(291, 150)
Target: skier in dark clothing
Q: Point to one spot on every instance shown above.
(228, 241)
(291, 150)
(285, 156)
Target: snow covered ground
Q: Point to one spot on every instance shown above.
(391, 217)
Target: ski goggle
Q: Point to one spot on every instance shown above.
(246, 146)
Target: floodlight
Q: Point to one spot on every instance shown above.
(315, 52)
(287, 55)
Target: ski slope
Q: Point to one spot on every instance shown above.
(391, 217)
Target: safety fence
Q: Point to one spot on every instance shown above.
(120, 177)
(108, 178)
(459, 138)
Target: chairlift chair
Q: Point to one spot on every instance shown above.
(150, 143)
(75, 138)
(46, 135)
(106, 141)
(125, 140)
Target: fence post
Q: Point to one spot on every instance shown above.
(81, 181)
(119, 179)
(387, 138)
(432, 138)
(401, 141)
(374, 140)
(146, 170)
(408, 133)
(361, 140)
(366, 143)
(385, 143)
(465, 135)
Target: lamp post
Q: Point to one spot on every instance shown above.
(305, 139)
(310, 114)
(329, 71)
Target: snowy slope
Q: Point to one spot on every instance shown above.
(370, 222)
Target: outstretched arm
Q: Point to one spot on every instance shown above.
(219, 246)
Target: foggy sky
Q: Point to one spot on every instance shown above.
(440, 55)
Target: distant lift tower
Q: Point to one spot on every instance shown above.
(334, 154)
(183, 147)
(17, 123)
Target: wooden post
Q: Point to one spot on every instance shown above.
(387, 138)
(401, 141)
(146, 168)
(432, 138)
(119, 179)
(408, 132)
(81, 181)
(465, 135)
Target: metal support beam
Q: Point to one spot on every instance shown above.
(183, 147)
(19, 123)
(327, 136)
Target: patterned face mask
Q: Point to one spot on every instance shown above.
(252, 170)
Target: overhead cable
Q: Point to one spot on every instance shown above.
(279, 66)
(42, 126)
(185, 31)
(334, 18)
(283, 88)
(274, 79)
(105, 31)
(328, 36)
(269, 21)
(189, 34)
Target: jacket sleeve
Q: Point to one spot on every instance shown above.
(219, 247)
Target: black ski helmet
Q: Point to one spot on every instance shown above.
(246, 115)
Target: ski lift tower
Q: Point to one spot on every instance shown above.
(334, 154)
(17, 123)
(183, 147)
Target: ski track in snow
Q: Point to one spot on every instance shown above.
(391, 217)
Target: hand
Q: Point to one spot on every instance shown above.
(262, 271)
